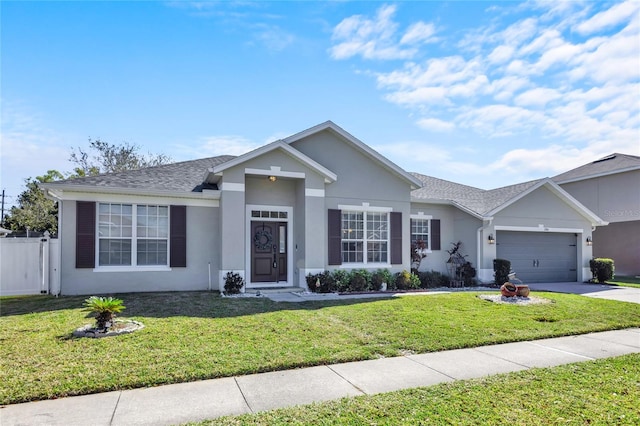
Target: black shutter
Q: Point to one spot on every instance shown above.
(178, 237)
(396, 238)
(435, 234)
(85, 234)
(334, 226)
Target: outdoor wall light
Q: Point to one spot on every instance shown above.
(491, 240)
(589, 241)
(272, 178)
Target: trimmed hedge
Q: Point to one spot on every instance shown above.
(358, 280)
(602, 269)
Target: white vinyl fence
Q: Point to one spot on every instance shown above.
(29, 266)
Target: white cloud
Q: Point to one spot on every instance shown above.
(435, 124)
(369, 38)
(501, 54)
(210, 146)
(566, 81)
(500, 120)
(419, 32)
(616, 15)
(537, 97)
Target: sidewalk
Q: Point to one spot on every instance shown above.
(208, 399)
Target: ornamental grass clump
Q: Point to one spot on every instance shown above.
(105, 310)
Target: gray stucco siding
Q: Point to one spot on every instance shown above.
(202, 236)
(541, 207)
(614, 198)
(357, 173)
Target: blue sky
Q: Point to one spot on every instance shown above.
(481, 93)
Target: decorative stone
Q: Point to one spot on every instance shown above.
(118, 327)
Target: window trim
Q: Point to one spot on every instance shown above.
(421, 216)
(133, 267)
(365, 208)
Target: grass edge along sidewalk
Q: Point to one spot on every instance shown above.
(604, 391)
(195, 336)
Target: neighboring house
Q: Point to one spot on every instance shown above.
(610, 187)
(320, 199)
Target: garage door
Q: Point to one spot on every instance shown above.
(539, 257)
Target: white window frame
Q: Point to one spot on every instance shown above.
(134, 267)
(364, 209)
(421, 216)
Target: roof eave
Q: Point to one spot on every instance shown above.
(451, 203)
(597, 175)
(57, 191)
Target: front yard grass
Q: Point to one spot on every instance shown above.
(603, 392)
(625, 281)
(199, 335)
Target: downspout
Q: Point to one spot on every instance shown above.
(209, 276)
(479, 246)
(59, 249)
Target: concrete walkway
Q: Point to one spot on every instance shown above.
(208, 399)
(600, 291)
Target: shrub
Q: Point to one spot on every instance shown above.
(501, 269)
(341, 280)
(602, 269)
(313, 282)
(105, 309)
(381, 276)
(468, 274)
(323, 282)
(405, 280)
(359, 280)
(233, 283)
(433, 279)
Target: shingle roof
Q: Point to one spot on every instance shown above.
(477, 200)
(606, 165)
(185, 176)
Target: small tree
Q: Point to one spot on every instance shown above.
(35, 211)
(418, 252)
(501, 270)
(103, 157)
(105, 310)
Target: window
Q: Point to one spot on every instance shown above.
(365, 237)
(133, 235)
(420, 231)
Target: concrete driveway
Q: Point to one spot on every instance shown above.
(600, 291)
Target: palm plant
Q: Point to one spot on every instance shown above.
(104, 308)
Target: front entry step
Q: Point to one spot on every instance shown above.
(270, 290)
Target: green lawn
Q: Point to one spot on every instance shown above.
(625, 281)
(198, 335)
(603, 392)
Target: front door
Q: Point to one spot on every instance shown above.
(268, 252)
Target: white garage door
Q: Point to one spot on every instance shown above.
(539, 257)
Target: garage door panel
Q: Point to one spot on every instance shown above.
(539, 257)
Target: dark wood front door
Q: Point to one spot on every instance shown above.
(268, 251)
